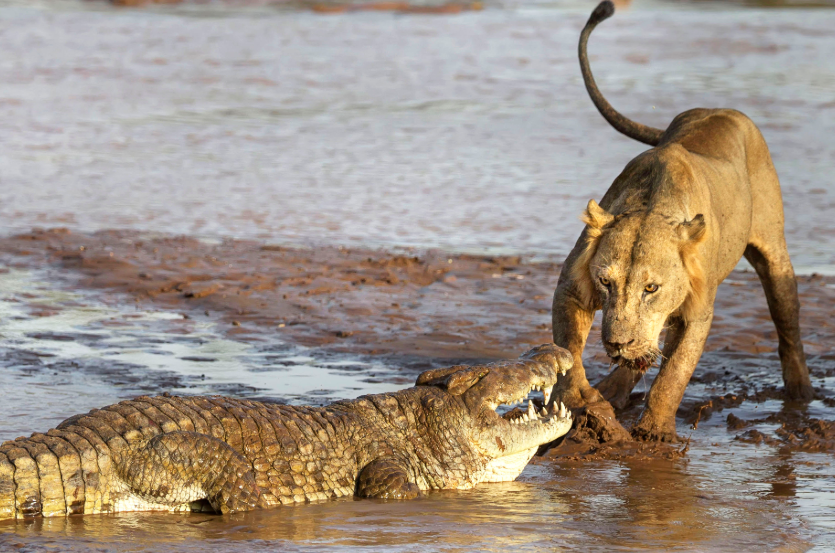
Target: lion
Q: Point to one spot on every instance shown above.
(668, 231)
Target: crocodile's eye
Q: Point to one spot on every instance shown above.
(651, 288)
(605, 281)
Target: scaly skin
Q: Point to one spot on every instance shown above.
(170, 453)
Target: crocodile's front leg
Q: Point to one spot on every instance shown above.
(386, 479)
(176, 468)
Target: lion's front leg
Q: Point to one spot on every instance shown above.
(571, 325)
(682, 350)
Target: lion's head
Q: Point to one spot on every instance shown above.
(639, 268)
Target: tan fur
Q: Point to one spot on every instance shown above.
(697, 295)
(668, 231)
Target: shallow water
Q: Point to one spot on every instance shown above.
(470, 132)
(65, 351)
(464, 132)
(740, 498)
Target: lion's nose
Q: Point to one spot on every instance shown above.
(618, 346)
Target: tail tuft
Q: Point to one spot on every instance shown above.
(602, 12)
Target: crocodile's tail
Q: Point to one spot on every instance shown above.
(55, 474)
(641, 133)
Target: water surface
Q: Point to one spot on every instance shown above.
(467, 132)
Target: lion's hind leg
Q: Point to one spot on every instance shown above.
(616, 387)
(773, 266)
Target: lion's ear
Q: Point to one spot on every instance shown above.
(596, 217)
(693, 230)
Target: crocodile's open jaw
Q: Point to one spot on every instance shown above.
(508, 442)
(513, 439)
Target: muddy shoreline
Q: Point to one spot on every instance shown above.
(428, 308)
(752, 468)
(415, 303)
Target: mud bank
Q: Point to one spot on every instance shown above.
(752, 471)
(437, 308)
(427, 303)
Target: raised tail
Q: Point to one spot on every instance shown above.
(641, 133)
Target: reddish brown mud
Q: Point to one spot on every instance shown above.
(365, 301)
(749, 463)
(440, 306)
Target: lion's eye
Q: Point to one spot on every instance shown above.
(651, 288)
(604, 281)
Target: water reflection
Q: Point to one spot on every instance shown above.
(66, 352)
(608, 506)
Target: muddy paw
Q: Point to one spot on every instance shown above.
(800, 392)
(597, 422)
(575, 397)
(648, 432)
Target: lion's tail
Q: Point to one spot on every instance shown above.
(642, 133)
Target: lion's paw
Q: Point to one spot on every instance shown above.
(650, 432)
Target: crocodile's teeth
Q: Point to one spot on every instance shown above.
(525, 417)
(547, 393)
(531, 409)
(554, 408)
(562, 372)
(562, 410)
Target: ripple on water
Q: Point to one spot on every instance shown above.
(470, 132)
(66, 352)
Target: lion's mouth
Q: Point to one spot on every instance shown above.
(639, 364)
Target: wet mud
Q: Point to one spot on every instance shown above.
(169, 118)
(419, 303)
(419, 309)
(754, 468)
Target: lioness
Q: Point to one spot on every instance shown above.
(671, 227)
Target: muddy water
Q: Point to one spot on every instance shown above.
(468, 133)
(465, 132)
(735, 498)
(66, 350)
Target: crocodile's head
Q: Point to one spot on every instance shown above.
(507, 441)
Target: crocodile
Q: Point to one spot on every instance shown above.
(220, 454)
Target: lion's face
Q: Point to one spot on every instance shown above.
(639, 272)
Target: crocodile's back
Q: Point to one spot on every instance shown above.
(129, 456)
